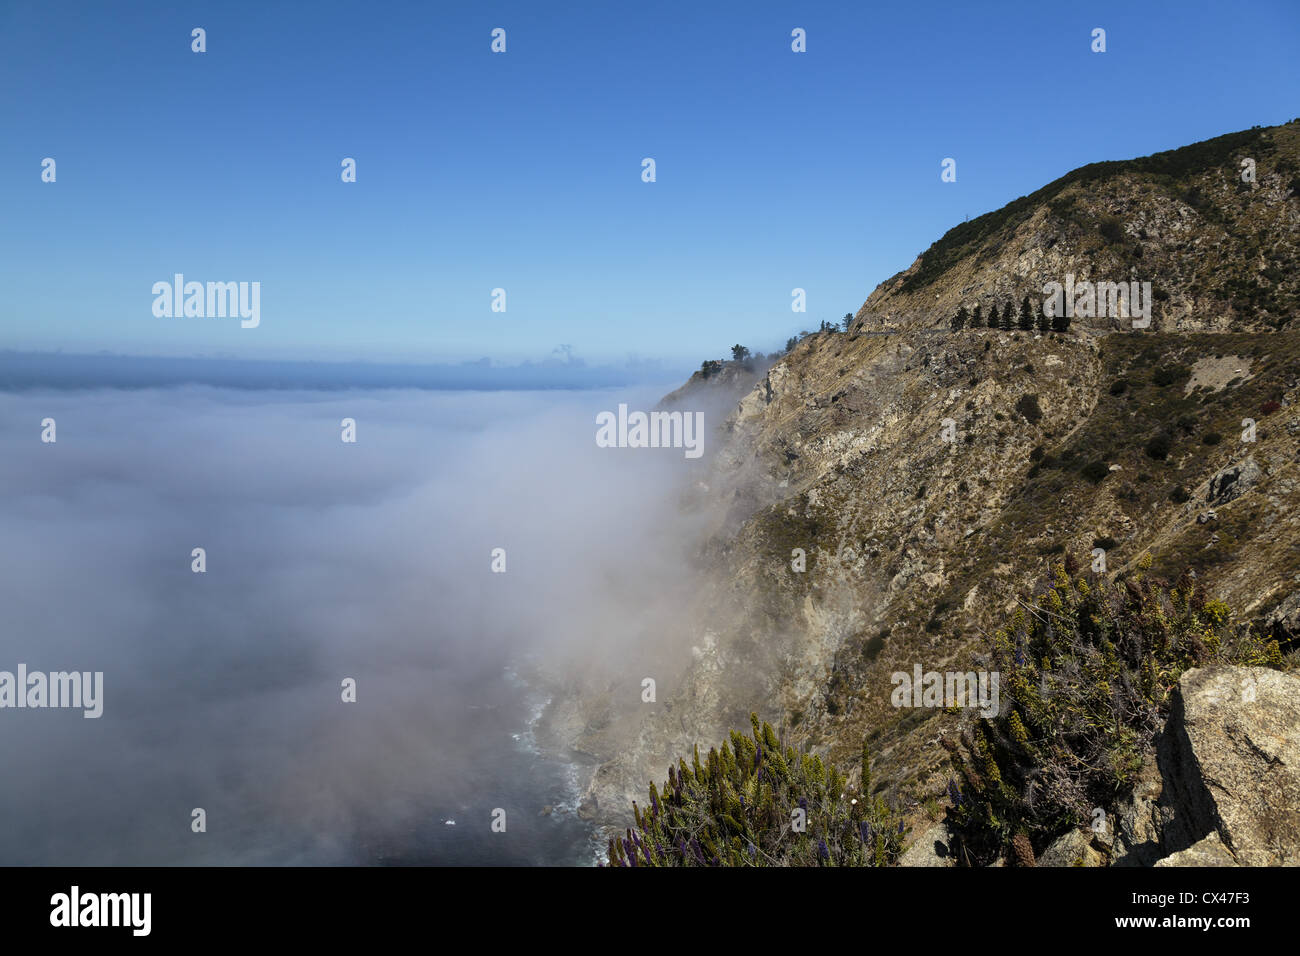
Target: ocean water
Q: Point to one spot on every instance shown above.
(323, 562)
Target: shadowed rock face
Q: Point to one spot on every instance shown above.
(1236, 746)
(1283, 622)
(1233, 482)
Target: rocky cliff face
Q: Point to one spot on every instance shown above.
(884, 496)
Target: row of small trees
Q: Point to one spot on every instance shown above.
(841, 326)
(1028, 320)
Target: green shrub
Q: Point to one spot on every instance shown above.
(1027, 406)
(1167, 375)
(1095, 471)
(1111, 229)
(736, 807)
(1158, 447)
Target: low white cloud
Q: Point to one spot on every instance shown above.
(325, 560)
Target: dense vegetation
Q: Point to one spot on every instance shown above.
(759, 803)
(1086, 677)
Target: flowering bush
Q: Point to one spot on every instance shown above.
(1087, 674)
(759, 803)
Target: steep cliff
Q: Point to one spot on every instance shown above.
(885, 497)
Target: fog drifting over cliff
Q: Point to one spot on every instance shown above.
(324, 560)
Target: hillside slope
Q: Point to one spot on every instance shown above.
(1221, 253)
(931, 478)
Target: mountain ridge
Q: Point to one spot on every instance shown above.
(1224, 250)
(929, 480)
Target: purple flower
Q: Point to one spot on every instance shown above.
(822, 851)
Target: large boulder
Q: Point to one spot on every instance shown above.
(930, 849)
(1073, 849)
(1138, 823)
(1235, 761)
(1233, 482)
(1208, 852)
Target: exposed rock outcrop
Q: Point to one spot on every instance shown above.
(1233, 482)
(1235, 768)
(1208, 852)
(1139, 821)
(1075, 848)
(1283, 622)
(931, 848)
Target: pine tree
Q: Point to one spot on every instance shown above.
(976, 319)
(1026, 316)
(1061, 323)
(960, 319)
(994, 318)
(1008, 318)
(1044, 324)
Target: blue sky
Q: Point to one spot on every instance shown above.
(522, 170)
